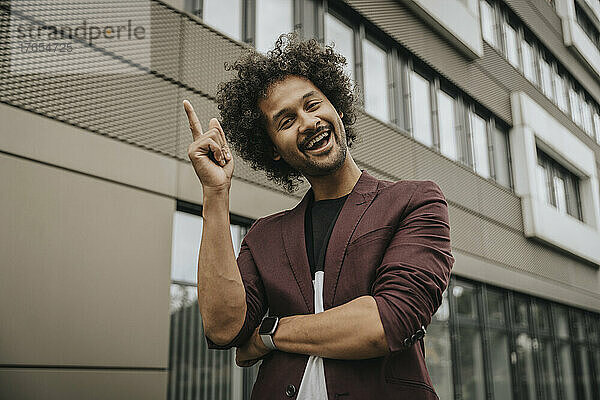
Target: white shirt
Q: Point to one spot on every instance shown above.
(313, 386)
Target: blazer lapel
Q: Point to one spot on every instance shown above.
(356, 204)
(292, 230)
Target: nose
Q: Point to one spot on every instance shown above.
(308, 122)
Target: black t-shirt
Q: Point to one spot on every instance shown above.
(318, 223)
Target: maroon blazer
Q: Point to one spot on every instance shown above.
(391, 241)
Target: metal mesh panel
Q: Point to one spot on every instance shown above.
(204, 53)
(167, 32)
(383, 148)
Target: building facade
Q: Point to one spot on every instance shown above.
(497, 101)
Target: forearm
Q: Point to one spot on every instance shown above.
(351, 331)
(221, 295)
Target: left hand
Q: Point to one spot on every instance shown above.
(251, 352)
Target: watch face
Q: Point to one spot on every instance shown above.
(266, 327)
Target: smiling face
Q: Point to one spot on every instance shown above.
(304, 127)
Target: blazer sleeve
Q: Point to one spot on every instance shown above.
(256, 305)
(415, 268)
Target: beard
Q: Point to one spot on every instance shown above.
(325, 164)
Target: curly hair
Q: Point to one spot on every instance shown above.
(238, 99)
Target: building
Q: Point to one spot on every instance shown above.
(495, 100)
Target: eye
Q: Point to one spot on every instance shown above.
(312, 106)
(285, 123)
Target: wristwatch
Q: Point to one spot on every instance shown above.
(267, 329)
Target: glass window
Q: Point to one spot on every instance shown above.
(206, 374)
(446, 112)
(225, 15)
(597, 125)
(488, 23)
(187, 232)
(575, 108)
(542, 184)
(541, 317)
(421, 109)
(501, 157)
(566, 366)
(560, 195)
(273, 17)
(342, 36)
(597, 365)
(495, 306)
(546, 74)
(471, 363)
(584, 367)
(438, 350)
(592, 330)
(309, 22)
(587, 118)
(499, 359)
(525, 364)
(572, 192)
(375, 80)
(481, 162)
(559, 86)
(511, 44)
(561, 326)
(520, 312)
(528, 61)
(466, 301)
(548, 374)
(562, 186)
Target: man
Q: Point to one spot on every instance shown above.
(351, 276)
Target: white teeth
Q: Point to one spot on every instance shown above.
(315, 140)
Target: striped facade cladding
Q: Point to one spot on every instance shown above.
(187, 62)
(490, 79)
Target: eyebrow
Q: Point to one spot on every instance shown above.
(283, 111)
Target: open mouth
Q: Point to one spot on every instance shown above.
(319, 143)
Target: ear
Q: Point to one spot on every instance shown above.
(341, 114)
(276, 155)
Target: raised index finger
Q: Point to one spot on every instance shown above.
(193, 119)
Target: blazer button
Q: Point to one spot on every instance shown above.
(418, 335)
(290, 390)
(407, 342)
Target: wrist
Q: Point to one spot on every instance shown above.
(216, 192)
(267, 329)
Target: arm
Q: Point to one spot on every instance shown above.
(221, 295)
(407, 291)
(352, 331)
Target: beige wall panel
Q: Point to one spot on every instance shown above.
(85, 269)
(45, 384)
(246, 198)
(53, 142)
